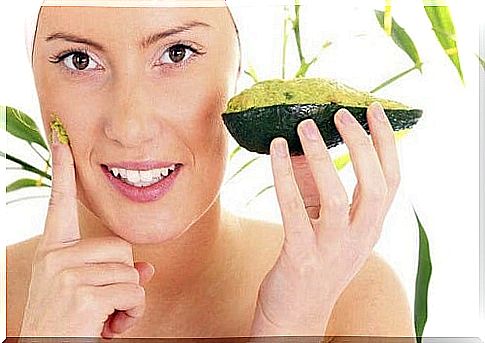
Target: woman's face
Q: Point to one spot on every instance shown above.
(136, 85)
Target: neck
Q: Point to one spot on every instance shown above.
(179, 262)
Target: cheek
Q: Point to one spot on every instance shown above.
(75, 105)
(204, 133)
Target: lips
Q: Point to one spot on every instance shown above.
(149, 191)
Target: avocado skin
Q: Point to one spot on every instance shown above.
(255, 128)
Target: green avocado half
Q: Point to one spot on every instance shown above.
(274, 108)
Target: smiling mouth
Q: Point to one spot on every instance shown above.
(142, 178)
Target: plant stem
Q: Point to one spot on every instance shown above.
(38, 153)
(285, 42)
(296, 30)
(394, 78)
(27, 166)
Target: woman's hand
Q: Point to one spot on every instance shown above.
(80, 287)
(326, 240)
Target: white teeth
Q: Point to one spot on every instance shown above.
(142, 178)
(145, 175)
(133, 176)
(155, 173)
(115, 171)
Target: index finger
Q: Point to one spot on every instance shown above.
(62, 225)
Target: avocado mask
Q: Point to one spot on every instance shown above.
(58, 128)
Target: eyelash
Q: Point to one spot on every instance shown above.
(60, 57)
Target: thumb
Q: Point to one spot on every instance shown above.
(62, 223)
(146, 271)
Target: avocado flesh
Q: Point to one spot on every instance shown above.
(274, 108)
(303, 91)
(58, 128)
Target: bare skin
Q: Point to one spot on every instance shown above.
(208, 265)
(374, 303)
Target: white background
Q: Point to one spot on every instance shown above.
(439, 158)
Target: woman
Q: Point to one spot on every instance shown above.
(140, 92)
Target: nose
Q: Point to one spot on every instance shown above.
(131, 121)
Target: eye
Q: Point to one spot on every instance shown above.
(79, 61)
(176, 54)
(76, 60)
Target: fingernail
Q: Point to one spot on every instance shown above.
(377, 111)
(310, 129)
(345, 117)
(280, 147)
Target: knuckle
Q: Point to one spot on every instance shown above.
(85, 298)
(320, 156)
(377, 193)
(291, 205)
(68, 278)
(49, 263)
(139, 294)
(336, 203)
(362, 142)
(134, 276)
(59, 194)
(394, 180)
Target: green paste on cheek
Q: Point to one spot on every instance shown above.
(56, 126)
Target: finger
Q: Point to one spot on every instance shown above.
(306, 185)
(91, 251)
(333, 197)
(99, 275)
(367, 207)
(298, 229)
(62, 224)
(125, 298)
(146, 272)
(385, 144)
(119, 322)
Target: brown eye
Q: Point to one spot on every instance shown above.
(176, 53)
(80, 61)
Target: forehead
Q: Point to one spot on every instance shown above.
(130, 20)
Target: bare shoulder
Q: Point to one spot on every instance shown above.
(19, 259)
(373, 304)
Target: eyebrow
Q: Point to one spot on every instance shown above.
(145, 42)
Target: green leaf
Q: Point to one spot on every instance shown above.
(245, 165)
(234, 152)
(23, 183)
(402, 39)
(267, 188)
(251, 72)
(22, 126)
(423, 276)
(444, 29)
